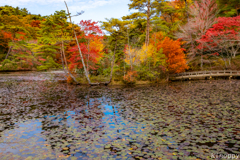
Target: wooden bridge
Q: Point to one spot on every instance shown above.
(205, 74)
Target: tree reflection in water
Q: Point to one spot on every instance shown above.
(49, 121)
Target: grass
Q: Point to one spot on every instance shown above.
(115, 81)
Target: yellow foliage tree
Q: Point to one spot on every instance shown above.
(146, 53)
(131, 56)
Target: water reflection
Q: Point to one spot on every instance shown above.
(53, 121)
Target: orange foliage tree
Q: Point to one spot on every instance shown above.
(176, 60)
(35, 23)
(5, 37)
(175, 56)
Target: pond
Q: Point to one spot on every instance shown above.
(180, 120)
(57, 75)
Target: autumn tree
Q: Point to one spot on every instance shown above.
(175, 57)
(9, 10)
(115, 27)
(186, 3)
(35, 23)
(91, 46)
(135, 28)
(222, 39)
(229, 8)
(93, 35)
(5, 38)
(17, 31)
(148, 61)
(147, 9)
(79, 49)
(176, 61)
(131, 56)
(172, 15)
(55, 32)
(159, 58)
(16, 26)
(203, 14)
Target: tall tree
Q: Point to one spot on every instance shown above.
(203, 14)
(229, 8)
(9, 10)
(91, 46)
(223, 39)
(91, 32)
(176, 61)
(172, 15)
(115, 28)
(55, 32)
(50, 37)
(5, 38)
(147, 8)
(186, 3)
(79, 49)
(17, 27)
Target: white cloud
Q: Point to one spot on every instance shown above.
(86, 5)
(97, 10)
(25, 2)
(73, 4)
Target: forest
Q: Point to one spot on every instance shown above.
(54, 105)
(162, 38)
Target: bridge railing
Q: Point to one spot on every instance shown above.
(214, 72)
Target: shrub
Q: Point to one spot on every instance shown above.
(130, 78)
(48, 64)
(106, 72)
(8, 65)
(70, 80)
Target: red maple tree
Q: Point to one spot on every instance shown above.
(223, 35)
(91, 46)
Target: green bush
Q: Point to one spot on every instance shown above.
(145, 74)
(106, 72)
(8, 65)
(24, 64)
(49, 64)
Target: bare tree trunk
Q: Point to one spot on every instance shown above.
(88, 57)
(148, 23)
(63, 63)
(9, 51)
(229, 61)
(129, 51)
(67, 64)
(85, 70)
(167, 78)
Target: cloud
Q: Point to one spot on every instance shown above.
(26, 2)
(86, 5)
(74, 5)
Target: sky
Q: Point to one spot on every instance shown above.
(96, 10)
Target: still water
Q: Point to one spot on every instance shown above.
(180, 120)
